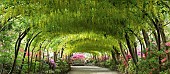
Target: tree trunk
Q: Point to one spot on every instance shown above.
(156, 36)
(29, 59)
(17, 46)
(121, 49)
(26, 47)
(40, 68)
(159, 47)
(116, 53)
(135, 49)
(48, 58)
(114, 58)
(157, 27)
(140, 41)
(62, 50)
(141, 49)
(29, 50)
(146, 38)
(44, 55)
(130, 48)
(32, 57)
(55, 56)
(35, 63)
(40, 61)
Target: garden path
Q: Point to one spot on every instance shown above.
(90, 70)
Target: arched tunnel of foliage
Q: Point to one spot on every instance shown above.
(121, 28)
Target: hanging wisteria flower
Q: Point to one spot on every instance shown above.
(167, 43)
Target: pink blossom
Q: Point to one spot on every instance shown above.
(78, 56)
(163, 60)
(138, 53)
(53, 64)
(166, 51)
(144, 56)
(128, 56)
(167, 43)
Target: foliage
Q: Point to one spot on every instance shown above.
(86, 26)
(107, 64)
(62, 66)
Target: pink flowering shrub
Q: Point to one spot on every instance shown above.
(167, 43)
(52, 63)
(103, 58)
(78, 56)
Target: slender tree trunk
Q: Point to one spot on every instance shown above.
(48, 58)
(141, 49)
(26, 47)
(140, 41)
(146, 38)
(130, 48)
(29, 50)
(44, 55)
(114, 58)
(28, 60)
(121, 49)
(157, 27)
(40, 52)
(42, 65)
(159, 47)
(125, 48)
(135, 49)
(116, 53)
(32, 58)
(17, 46)
(35, 63)
(62, 50)
(156, 36)
(55, 56)
(40, 60)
